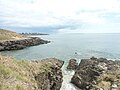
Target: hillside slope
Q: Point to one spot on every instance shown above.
(10, 40)
(8, 35)
(30, 75)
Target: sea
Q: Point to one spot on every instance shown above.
(67, 46)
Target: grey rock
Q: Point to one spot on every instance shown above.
(51, 79)
(93, 74)
(73, 65)
(21, 44)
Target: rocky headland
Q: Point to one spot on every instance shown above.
(97, 74)
(21, 43)
(33, 34)
(30, 75)
(10, 40)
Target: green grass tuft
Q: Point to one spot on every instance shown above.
(19, 87)
(5, 71)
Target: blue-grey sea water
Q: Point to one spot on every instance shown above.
(64, 47)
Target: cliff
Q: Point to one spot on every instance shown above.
(30, 75)
(97, 74)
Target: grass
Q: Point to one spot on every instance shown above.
(6, 87)
(46, 68)
(18, 87)
(8, 35)
(22, 78)
(11, 70)
(20, 74)
(5, 71)
(4, 37)
(105, 85)
(21, 63)
(107, 78)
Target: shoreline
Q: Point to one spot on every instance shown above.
(97, 74)
(17, 44)
(50, 71)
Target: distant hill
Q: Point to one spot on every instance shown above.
(7, 35)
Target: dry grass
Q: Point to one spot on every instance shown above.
(15, 72)
(19, 74)
(7, 35)
(107, 78)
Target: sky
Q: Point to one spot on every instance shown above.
(61, 16)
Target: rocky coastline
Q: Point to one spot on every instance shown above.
(97, 74)
(30, 75)
(46, 74)
(21, 43)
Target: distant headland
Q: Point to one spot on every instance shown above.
(33, 33)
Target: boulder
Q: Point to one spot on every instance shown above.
(1, 48)
(93, 58)
(73, 65)
(97, 74)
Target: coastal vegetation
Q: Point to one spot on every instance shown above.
(90, 74)
(30, 75)
(12, 41)
(8, 35)
(27, 75)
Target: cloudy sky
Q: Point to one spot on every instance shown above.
(61, 16)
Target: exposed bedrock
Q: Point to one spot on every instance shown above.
(21, 43)
(72, 65)
(97, 74)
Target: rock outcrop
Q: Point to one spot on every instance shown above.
(97, 74)
(73, 65)
(51, 79)
(21, 43)
(30, 75)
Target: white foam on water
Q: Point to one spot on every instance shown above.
(66, 85)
